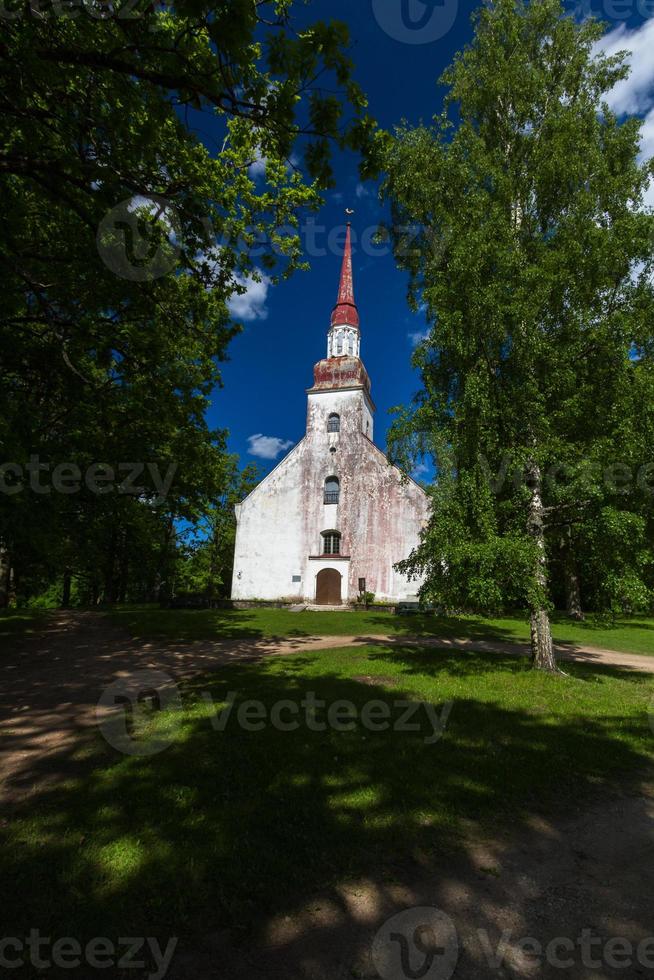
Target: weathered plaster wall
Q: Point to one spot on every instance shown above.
(379, 515)
(269, 547)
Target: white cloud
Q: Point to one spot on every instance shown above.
(258, 167)
(417, 336)
(647, 136)
(362, 191)
(647, 151)
(251, 304)
(419, 470)
(634, 94)
(267, 447)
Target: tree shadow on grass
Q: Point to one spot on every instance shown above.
(434, 660)
(225, 828)
(186, 625)
(454, 627)
(595, 624)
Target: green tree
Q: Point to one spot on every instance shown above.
(533, 257)
(209, 560)
(124, 235)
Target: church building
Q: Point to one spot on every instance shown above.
(334, 511)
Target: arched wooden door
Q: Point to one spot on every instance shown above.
(328, 587)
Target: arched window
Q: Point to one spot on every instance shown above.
(334, 423)
(331, 543)
(332, 490)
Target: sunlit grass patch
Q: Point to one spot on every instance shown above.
(629, 635)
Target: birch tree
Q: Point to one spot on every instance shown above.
(531, 252)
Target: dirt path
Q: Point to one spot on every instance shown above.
(583, 882)
(51, 680)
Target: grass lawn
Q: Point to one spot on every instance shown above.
(225, 826)
(15, 622)
(627, 635)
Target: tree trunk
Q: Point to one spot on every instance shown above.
(123, 576)
(572, 590)
(164, 574)
(542, 650)
(110, 570)
(65, 594)
(5, 577)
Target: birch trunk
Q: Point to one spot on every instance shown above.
(542, 650)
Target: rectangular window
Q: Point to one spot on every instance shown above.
(297, 578)
(331, 544)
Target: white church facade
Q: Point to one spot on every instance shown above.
(334, 510)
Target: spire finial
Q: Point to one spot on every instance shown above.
(345, 312)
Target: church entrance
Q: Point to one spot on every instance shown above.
(328, 587)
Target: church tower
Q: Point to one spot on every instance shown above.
(334, 511)
(340, 381)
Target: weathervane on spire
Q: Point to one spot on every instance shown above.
(349, 211)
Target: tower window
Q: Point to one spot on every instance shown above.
(332, 490)
(331, 543)
(334, 423)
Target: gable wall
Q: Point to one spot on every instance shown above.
(280, 523)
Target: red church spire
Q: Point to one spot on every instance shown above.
(345, 312)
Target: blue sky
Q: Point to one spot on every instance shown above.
(400, 48)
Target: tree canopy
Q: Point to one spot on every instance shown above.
(533, 258)
(132, 214)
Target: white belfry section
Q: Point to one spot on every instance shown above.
(343, 341)
(334, 511)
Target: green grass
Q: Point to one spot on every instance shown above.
(222, 828)
(149, 622)
(18, 622)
